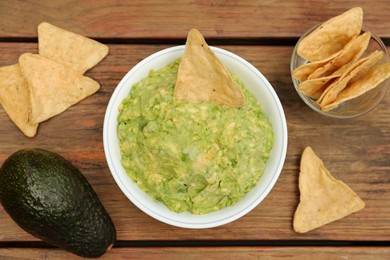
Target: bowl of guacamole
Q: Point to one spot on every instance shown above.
(193, 165)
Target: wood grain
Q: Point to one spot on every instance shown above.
(157, 19)
(211, 253)
(356, 151)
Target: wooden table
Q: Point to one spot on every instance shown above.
(263, 32)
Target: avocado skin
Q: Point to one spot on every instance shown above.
(51, 199)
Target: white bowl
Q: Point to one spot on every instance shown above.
(261, 89)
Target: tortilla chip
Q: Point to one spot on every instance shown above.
(203, 77)
(14, 98)
(370, 80)
(356, 70)
(303, 72)
(331, 36)
(351, 53)
(53, 86)
(315, 87)
(76, 51)
(323, 198)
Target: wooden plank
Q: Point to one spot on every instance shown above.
(157, 19)
(356, 151)
(210, 252)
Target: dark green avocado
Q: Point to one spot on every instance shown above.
(51, 199)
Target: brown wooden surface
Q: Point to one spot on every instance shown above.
(356, 151)
(173, 19)
(197, 253)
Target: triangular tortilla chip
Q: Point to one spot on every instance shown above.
(53, 86)
(332, 35)
(315, 87)
(14, 98)
(351, 53)
(303, 72)
(76, 51)
(203, 77)
(370, 80)
(354, 71)
(323, 199)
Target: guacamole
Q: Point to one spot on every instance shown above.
(191, 157)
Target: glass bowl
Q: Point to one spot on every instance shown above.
(354, 107)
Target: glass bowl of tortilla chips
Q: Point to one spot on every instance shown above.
(340, 69)
(262, 91)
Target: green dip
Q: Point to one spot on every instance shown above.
(192, 157)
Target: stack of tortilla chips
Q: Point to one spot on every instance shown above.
(338, 68)
(43, 85)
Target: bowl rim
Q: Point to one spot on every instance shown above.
(108, 128)
(305, 99)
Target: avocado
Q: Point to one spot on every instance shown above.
(51, 199)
